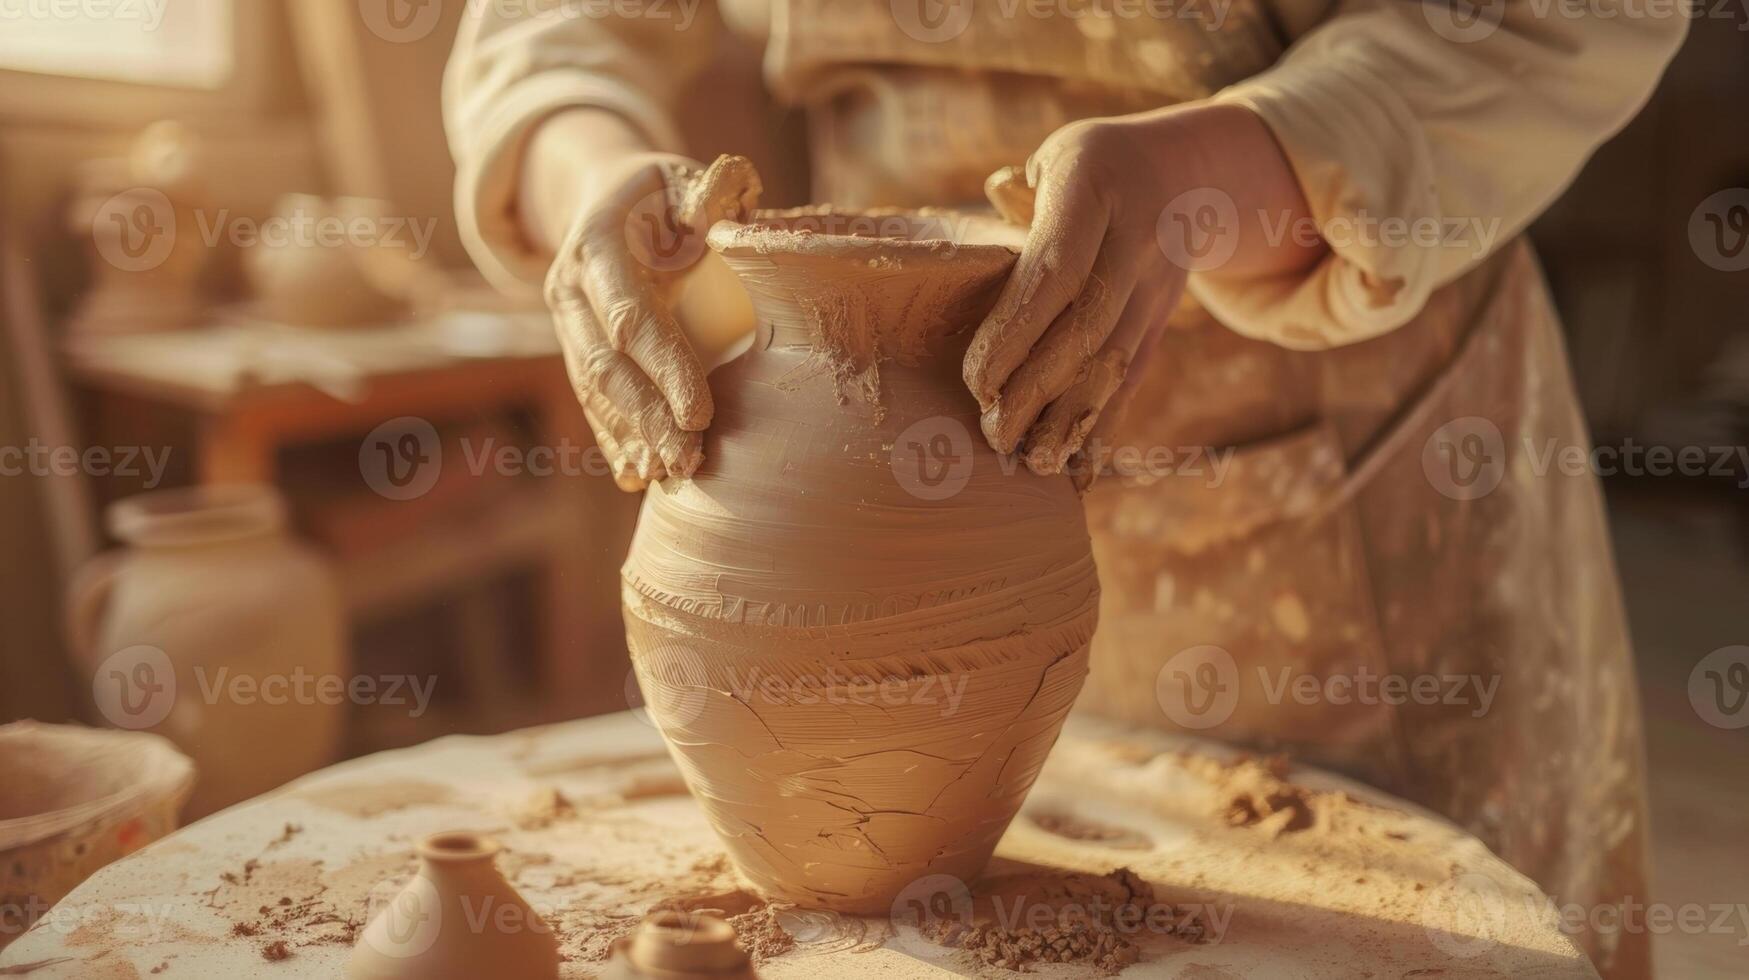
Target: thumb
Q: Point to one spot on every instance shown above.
(728, 188)
(1012, 195)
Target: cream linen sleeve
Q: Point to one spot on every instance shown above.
(516, 63)
(1425, 136)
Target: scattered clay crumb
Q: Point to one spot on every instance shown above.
(1089, 921)
(598, 931)
(291, 830)
(715, 864)
(276, 951)
(1255, 793)
(760, 935)
(543, 808)
(161, 967)
(245, 929)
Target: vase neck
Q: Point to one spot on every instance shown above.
(859, 314)
(859, 289)
(198, 517)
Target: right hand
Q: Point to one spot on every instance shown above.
(611, 287)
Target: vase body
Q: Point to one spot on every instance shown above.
(858, 628)
(216, 629)
(458, 919)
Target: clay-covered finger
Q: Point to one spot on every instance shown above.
(617, 378)
(1065, 236)
(618, 463)
(1014, 199)
(728, 188)
(615, 436)
(635, 316)
(1060, 356)
(640, 432)
(1138, 331)
(1064, 426)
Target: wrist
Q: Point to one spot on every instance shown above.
(1228, 147)
(566, 154)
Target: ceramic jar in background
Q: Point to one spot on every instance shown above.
(211, 626)
(858, 627)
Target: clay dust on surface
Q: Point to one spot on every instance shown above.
(1020, 921)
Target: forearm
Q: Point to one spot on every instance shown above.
(565, 153)
(1229, 150)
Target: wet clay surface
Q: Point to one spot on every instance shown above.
(860, 668)
(1127, 859)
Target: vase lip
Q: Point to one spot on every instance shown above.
(198, 515)
(827, 232)
(458, 847)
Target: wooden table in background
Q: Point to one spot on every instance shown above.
(253, 391)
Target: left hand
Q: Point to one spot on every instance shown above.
(1094, 285)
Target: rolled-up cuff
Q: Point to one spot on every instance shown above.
(488, 177)
(1366, 170)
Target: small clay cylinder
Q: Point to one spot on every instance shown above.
(675, 945)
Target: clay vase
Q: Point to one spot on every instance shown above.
(217, 630)
(314, 276)
(458, 919)
(672, 945)
(858, 628)
(76, 799)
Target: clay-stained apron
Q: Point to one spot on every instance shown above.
(1351, 555)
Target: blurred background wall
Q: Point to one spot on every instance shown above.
(296, 96)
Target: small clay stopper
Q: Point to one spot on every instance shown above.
(681, 946)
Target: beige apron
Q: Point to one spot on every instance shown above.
(1379, 578)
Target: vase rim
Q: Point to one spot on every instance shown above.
(197, 515)
(825, 231)
(458, 847)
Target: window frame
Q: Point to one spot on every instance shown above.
(264, 79)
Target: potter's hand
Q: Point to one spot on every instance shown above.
(1095, 281)
(639, 227)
